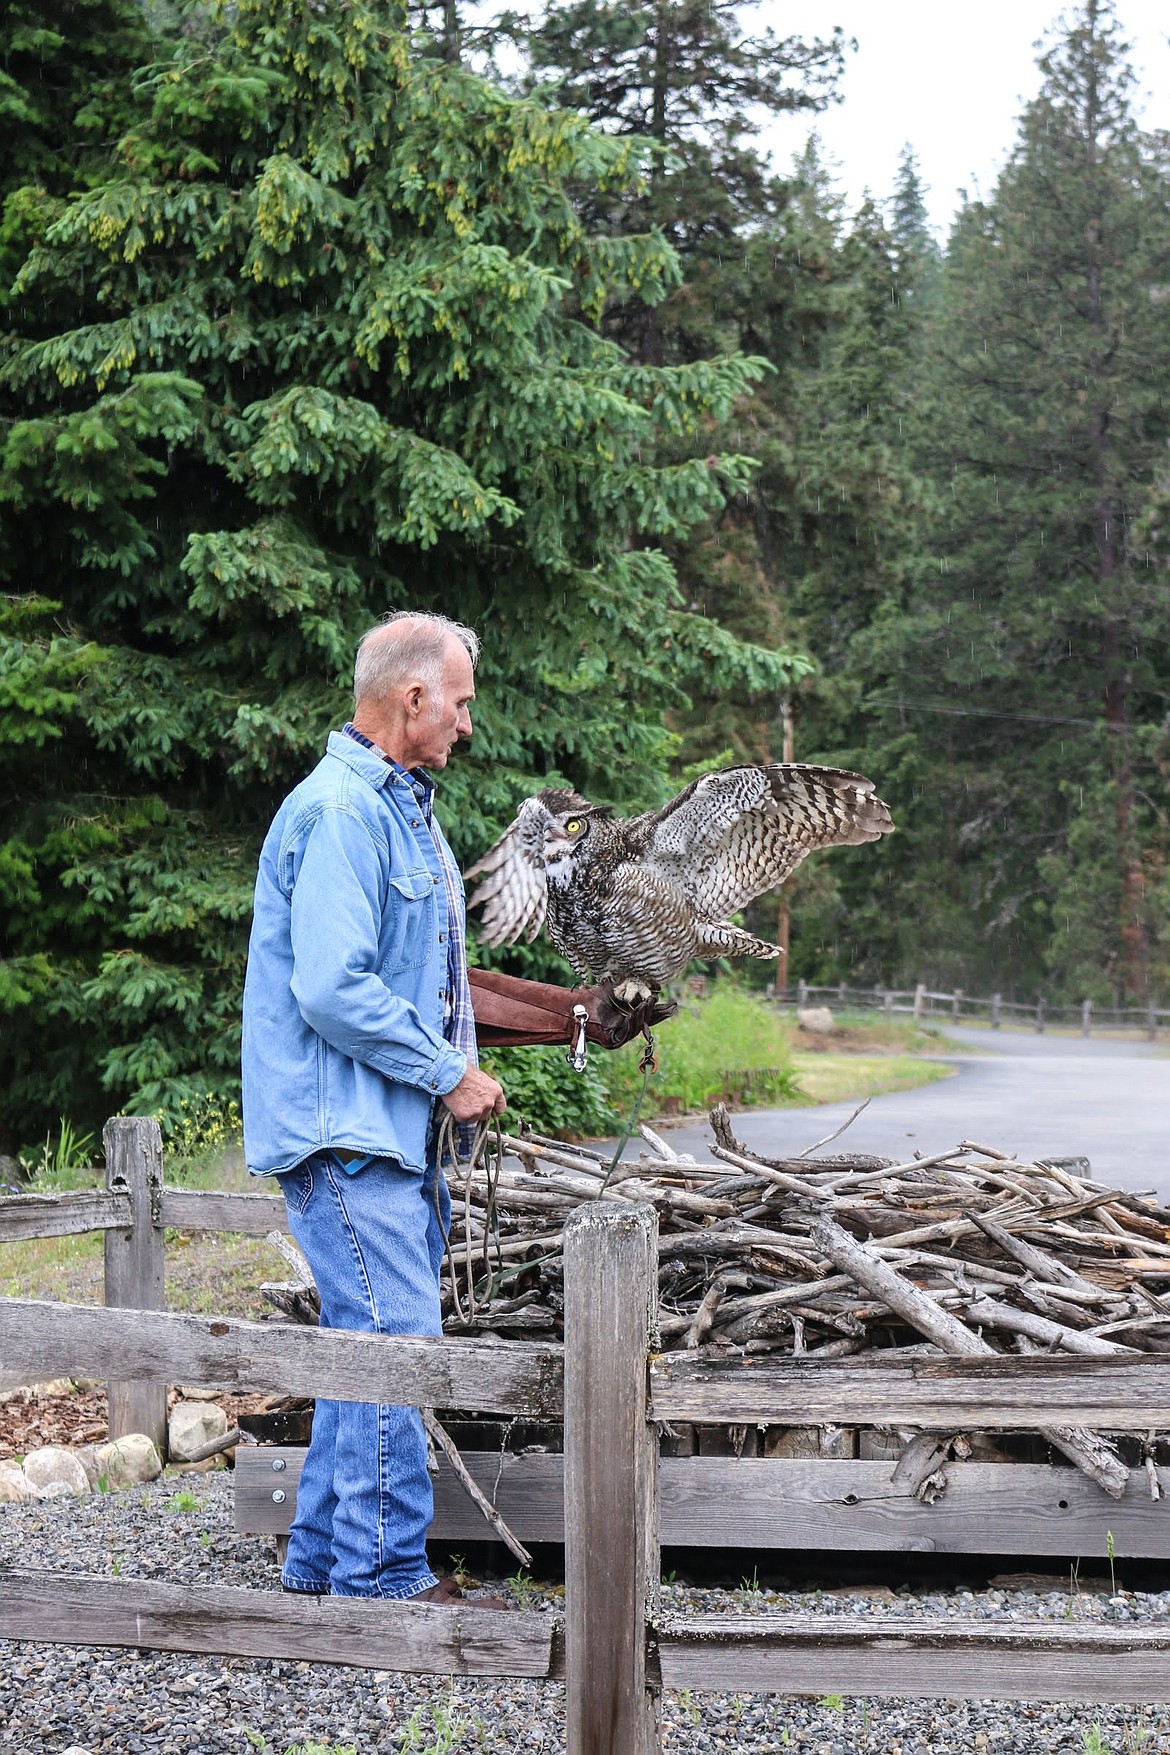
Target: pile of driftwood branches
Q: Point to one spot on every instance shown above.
(965, 1252)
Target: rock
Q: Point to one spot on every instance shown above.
(55, 1472)
(191, 1426)
(815, 1017)
(87, 1456)
(129, 1460)
(27, 1391)
(15, 1484)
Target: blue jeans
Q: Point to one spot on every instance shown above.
(374, 1241)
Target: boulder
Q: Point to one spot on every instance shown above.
(87, 1456)
(191, 1426)
(15, 1484)
(55, 1472)
(129, 1460)
(815, 1017)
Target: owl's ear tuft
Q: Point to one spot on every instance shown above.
(562, 801)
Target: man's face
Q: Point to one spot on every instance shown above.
(446, 715)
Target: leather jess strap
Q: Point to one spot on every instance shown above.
(510, 1012)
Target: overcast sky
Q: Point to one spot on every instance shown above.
(949, 78)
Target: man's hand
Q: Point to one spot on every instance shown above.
(476, 1097)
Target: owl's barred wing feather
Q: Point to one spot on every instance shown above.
(513, 890)
(736, 833)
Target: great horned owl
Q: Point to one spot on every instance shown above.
(632, 900)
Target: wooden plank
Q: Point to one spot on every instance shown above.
(528, 1491)
(135, 1267)
(72, 1609)
(40, 1339)
(912, 1657)
(250, 1215)
(611, 1464)
(821, 1503)
(61, 1215)
(1003, 1393)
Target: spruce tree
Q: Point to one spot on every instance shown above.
(65, 78)
(323, 342)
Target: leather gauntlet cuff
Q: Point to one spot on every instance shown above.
(510, 1012)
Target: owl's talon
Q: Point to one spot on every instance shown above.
(632, 994)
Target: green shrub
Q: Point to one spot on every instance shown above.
(543, 1090)
(62, 1164)
(727, 1044)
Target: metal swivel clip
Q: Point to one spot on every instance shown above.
(578, 1055)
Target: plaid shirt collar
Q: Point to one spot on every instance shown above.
(419, 782)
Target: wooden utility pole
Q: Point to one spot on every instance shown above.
(787, 749)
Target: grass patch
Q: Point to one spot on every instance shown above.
(209, 1275)
(840, 1078)
(213, 1274)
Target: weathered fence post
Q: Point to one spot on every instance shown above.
(135, 1262)
(919, 998)
(1152, 1022)
(1086, 1016)
(802, 994)
(1040, 1016)
(611, 1476)
(996, 1001)
(956, 1002)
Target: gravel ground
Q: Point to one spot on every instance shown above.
(55, 1699)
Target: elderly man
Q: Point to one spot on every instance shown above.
(357, 1023)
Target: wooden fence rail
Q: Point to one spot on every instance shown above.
(922, 1001)
(619, 1647)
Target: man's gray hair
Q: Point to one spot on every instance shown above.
(407, 646)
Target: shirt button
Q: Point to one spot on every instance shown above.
(442, 937)
(434, 880)
(414, 823)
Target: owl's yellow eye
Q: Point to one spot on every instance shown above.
(573, 824)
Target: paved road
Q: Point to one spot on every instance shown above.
(1036, 1096)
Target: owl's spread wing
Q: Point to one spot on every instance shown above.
(512, 891)
(736, 833)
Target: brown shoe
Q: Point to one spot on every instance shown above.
(446, 1594)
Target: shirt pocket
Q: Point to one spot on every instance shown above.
(410, 925)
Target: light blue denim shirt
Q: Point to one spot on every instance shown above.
(343, 1039)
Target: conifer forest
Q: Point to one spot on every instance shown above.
(309, 312)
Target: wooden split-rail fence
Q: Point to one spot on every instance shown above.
(617, 1647)
(922, 1001)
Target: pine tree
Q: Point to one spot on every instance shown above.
(1037, 654)
(687, 76)
(838, 509)
(323, 343)
(917, 252)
